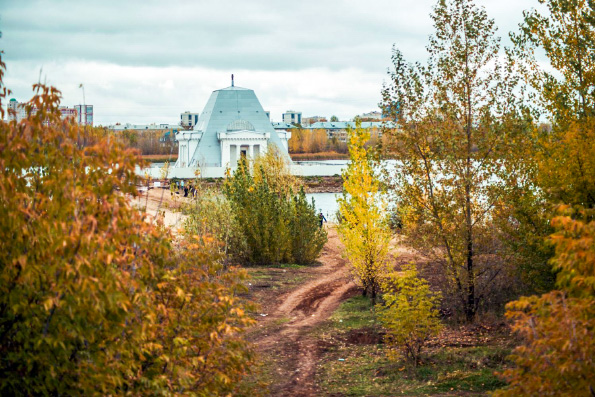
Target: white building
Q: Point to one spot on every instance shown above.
(292, 117)
(188, 120)
(373, 115)
(232, 124)
(85, 114)
(16, 110)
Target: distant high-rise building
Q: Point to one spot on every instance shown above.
(85, 114)
(82, 114)
(188, 120)
(292, 117)
(16, 110)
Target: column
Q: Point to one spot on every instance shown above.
(251, 151)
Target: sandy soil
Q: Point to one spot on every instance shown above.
(161, 204)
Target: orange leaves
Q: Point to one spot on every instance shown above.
(93, 299)
(558, 356)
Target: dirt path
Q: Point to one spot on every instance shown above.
(285, 335)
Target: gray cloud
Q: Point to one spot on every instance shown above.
(145, 61)
(255, 35)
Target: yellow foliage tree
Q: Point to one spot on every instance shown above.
(410, 313)
(557, 356)
(455, 119)
(363, 227)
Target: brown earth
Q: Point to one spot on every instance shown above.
(282, 334)
(322, 184)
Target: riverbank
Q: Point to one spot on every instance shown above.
(323, 156)
(311, 184)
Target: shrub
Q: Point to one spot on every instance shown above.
(307, 237)
(410, 313)
(278, 226)
(209, 215)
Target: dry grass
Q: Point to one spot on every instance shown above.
(319, 156)
(160, 158)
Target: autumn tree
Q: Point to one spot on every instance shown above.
(454, 120)
(363, 227)
(566, 153)
(410, 313)
(94, 298)
(556, 357)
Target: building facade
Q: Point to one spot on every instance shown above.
(292, 117)
(372, 116)
(17, 111)
(338, 129)
(307, 121)
(232, 125)
(85, 114)
(188, 120)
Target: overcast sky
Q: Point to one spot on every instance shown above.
(144, 61)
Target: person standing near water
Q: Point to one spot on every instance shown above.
(321, 218)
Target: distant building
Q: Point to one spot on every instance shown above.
(82, 114)
(338, 129)
(68, 112)
(232, 125)
(374, 115)
(306, 121)
(17, 111)
(292, 117)
(188, 120)
(166, 132)
(144, 127)
(85, 114)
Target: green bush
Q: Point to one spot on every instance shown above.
(307, 237)
(278, 225)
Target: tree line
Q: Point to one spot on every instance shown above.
(499, 206)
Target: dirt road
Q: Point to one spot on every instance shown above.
(284, 335)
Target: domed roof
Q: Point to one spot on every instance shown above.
(228, 110)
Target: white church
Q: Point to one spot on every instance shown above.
(232, 124)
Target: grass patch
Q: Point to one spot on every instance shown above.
(355, 365)
(292, 266)
(356, 312)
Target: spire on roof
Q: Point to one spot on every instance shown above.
(232, 80)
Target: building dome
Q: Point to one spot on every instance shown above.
(240, 125)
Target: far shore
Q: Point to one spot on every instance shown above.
(311, 184)
(172, 158)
